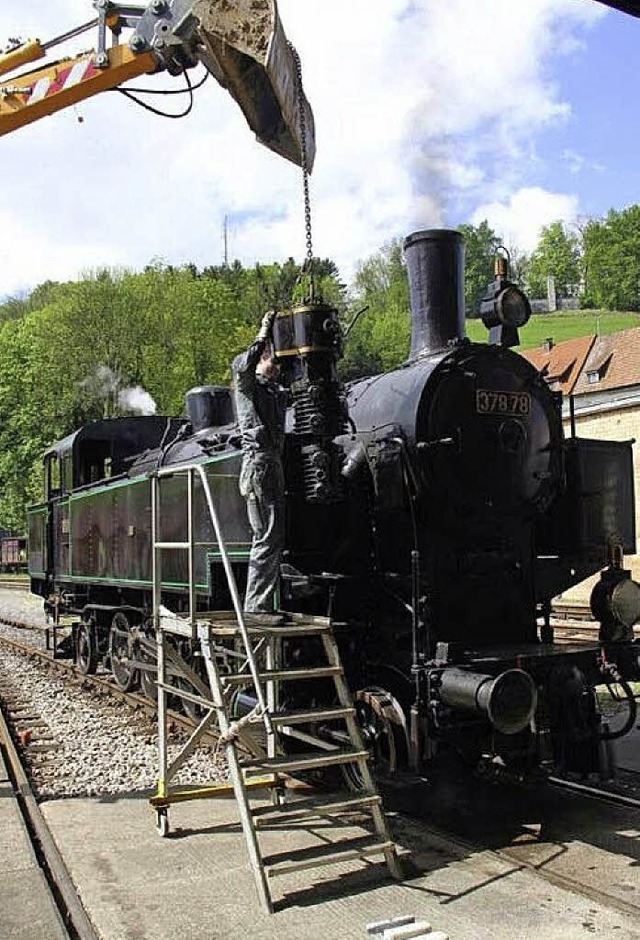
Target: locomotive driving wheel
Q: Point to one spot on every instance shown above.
(86, 651)
(120, 647)
(146, 655)
(384, 732)
(191, 709)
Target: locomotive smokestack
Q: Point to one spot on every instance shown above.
(435, 263)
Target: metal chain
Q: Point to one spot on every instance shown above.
(303, 158)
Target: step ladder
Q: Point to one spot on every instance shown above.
(238, 656)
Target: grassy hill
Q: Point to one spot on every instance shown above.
(562, 325)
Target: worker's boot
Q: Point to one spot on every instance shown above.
(260, 619)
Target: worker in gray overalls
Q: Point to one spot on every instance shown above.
(261, 404)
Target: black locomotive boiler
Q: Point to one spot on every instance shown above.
(432, 513)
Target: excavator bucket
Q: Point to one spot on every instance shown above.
(244, 46)
(241, 42)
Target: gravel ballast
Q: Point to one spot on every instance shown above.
(77, 741)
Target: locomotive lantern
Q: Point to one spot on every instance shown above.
(504, 308)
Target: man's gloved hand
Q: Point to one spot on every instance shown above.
(267, 325)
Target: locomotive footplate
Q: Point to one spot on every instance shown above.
(533, 653)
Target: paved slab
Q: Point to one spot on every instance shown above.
(197, 884)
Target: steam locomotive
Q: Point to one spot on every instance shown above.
(432, 512)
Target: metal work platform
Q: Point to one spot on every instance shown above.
(238, 655)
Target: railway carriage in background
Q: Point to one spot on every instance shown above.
(432, 512)
(13, 554)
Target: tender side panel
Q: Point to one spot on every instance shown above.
(110, 527)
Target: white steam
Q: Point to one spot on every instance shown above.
(107, 386)
(137, 400)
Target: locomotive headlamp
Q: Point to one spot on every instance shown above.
(504, 308)
(512, 307)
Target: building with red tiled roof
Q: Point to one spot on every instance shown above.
(561, 363)
(613, 365)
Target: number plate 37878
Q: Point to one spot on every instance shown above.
(491, 401)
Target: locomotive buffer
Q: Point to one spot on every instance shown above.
(232, 654)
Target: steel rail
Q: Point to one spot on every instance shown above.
(465, 845)
(60, 884)
(595, 793)
(14, 584)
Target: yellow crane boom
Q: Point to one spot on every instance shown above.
(240, 42)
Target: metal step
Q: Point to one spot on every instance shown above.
(299, 810)
(305, 761)
(283, 675)
(213, 791)
(316, 856)
(311, 715)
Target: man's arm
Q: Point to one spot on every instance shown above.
(245, 364)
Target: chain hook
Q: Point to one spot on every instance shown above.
(307, 267)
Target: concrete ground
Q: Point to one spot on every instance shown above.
(197, 883)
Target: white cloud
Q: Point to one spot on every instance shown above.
(417, 102)
(576, 162)
(24, 249)
(518, 220)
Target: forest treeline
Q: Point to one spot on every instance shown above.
(76, 351)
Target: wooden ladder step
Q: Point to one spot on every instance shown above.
(308, 761)
(281, 631)
(225, 623)
(299, 810)
(317, 856)
(312, 714)
(284, 675)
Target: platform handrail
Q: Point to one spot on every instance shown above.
(190, 470)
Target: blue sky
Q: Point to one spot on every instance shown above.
(428, 113)
(601, 82)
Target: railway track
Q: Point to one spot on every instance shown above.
(595, 793)
(60, 883)
(102, 683)
(15, 584)
(82, 734)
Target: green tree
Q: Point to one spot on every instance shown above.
(611, 260)
(519, 263)
(557, 254)
(380, 338)
(480, 246)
